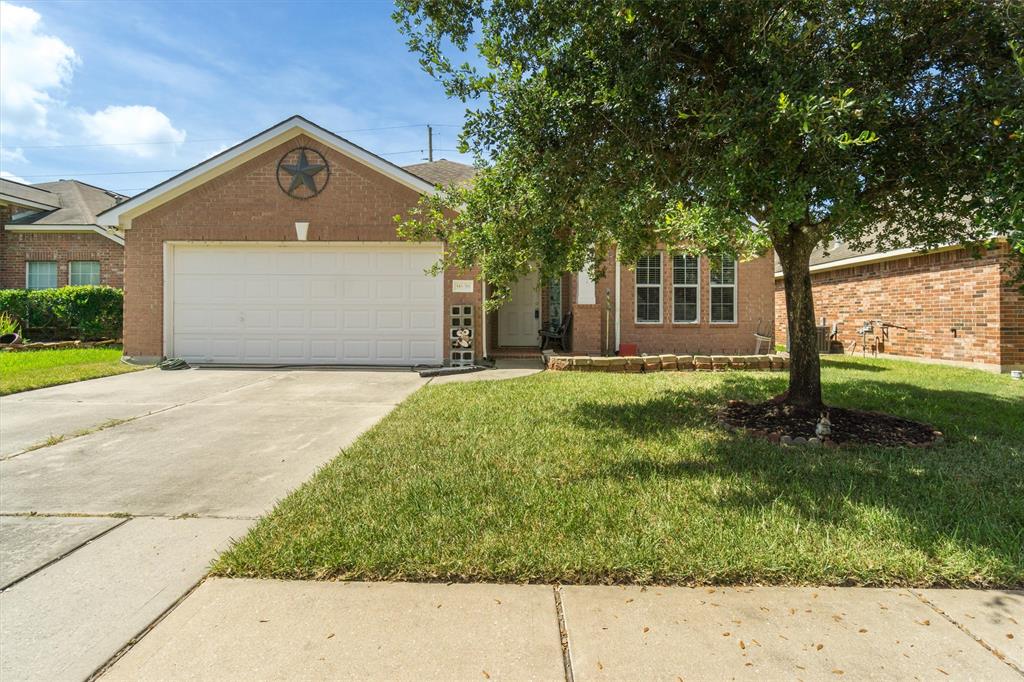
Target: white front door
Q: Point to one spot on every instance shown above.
(519, 317)
(303, 303)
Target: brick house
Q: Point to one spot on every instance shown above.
(51, 238)
(283, 249)
(957, 309)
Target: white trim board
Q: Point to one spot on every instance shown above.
(66, 229)
(123, 213)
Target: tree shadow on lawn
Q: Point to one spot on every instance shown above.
(967, 494)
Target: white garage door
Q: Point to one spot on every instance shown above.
(353, 304)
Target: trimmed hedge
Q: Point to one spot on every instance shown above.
(82, 312)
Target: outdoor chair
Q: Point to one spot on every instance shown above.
(547, 336)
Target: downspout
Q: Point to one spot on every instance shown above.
(618, 303)
(483, 317)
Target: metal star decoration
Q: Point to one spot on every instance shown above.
(302, 173)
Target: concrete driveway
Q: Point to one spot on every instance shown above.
(106, 529)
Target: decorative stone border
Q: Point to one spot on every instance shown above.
(55, 345)
(666, 363)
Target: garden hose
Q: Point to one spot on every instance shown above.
(173, 363)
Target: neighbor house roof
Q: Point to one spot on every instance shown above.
(26, 196)
(72, 207)
(123, 213)
(839, 255)
(443, 172)
(77, 204)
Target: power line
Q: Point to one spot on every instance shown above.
(179, 170)
(219, 139)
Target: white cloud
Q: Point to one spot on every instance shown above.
(16, 155)
(33, 67)
(119, 125)
(11, 176)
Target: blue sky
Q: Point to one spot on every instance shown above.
(197, 77)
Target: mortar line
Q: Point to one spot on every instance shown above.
(563, 633)
(137, 637)
(100, 427)
(992, 650)
(68, 553)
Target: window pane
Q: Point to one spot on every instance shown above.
(42, 274)
(722, 301)
(684, 269)
(83, 272)
(648, 269)
(723, 270)
(685, 304)
(648, 304)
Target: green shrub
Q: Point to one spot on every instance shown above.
(82, 312)
(8, 325)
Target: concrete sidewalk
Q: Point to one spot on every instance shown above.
(264, 629)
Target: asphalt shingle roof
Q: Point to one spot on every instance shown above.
(77, 203)
(443, 172)
(12, 192)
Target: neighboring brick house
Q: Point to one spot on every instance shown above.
(50, 237)
(957, 308)
(283, 250)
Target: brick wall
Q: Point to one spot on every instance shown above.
(246, 204)
(755, 306)
(932, 295)
(18, 247)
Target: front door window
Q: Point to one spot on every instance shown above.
(555, 304)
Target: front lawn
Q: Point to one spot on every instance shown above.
(592, 478)
(25, 370)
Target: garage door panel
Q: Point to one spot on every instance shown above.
(352, 304)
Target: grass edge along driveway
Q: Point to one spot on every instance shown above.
(28, 370)
(608, 478)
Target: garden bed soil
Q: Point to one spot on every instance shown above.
(849, 427)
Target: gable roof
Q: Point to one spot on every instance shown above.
(443, 172)
(219, 164)
(26, 196)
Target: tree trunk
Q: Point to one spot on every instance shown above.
(804, 392)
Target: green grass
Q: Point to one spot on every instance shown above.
(26, 370)
(595, 478)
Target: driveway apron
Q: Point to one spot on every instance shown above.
(148, 476)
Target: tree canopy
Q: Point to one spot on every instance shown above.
(714, 125)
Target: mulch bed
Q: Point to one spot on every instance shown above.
(849, 427)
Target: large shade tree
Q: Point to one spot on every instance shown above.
(710, 126)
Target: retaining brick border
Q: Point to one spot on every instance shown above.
(667, 363)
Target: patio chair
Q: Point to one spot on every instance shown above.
(547, 336)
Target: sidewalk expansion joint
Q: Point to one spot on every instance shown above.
(992, 650)
(143, 632)
(563, 633)
(66, 554)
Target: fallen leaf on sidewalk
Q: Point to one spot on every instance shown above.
(837, 671)
(943, 672)
(486, 674)
(742, 645)
(819, 647)
(330, 635)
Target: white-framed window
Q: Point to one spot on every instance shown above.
(648, 289)
(723, 289)
(41, 274)
(83, 272)
(685, 289)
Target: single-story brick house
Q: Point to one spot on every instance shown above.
(50, 236)
(283, 249)
(957, 308)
